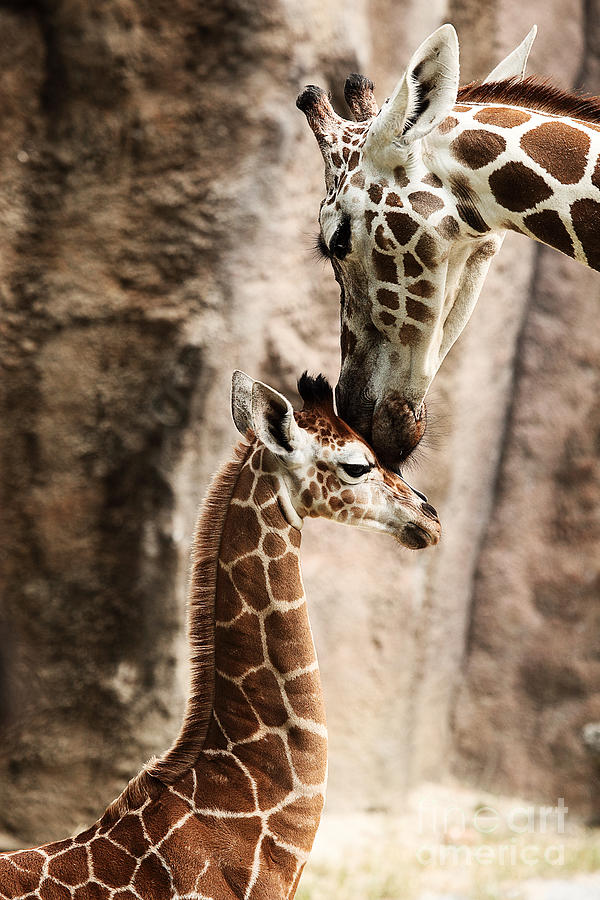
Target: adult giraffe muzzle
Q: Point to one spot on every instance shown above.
(419, 197)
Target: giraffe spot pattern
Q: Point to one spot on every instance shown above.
(409, 334)
(245, 532)
(385, 266)
(267, 759)
(284, 577)
(419, 311)
(517, 187)
(353, 160)
(370, 215)
(306, 749)
(249, 579)
(152, 879)
(584, 215)
(402, 226)
(231, 603)
(558, 148)
(502, 116)
(448, 228)
(412, 268)
(547, 226)
(70, 867)
(425, 203)
(381, 240)
(286, 819)
(422, 288)
(427, 249)
(111, 865)
(400, 176)
(222, 784)
(273, 545)
(288, 640)
(236, 714)
(392, 199)
(476, 148)
(52, 890)
(267, 699)
(388, 298)
(432, 180)
(596, 174)
(447, 125)
(91, 891)
(386, 317)
(235, 656)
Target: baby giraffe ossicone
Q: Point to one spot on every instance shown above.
(231, 810)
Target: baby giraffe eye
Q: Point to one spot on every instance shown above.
(356, 470)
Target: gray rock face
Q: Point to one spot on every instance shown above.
(159, 191)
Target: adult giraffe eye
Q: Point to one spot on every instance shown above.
(356, 470)
(340, 244)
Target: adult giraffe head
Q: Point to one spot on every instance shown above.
(403, 228)
(324, 468)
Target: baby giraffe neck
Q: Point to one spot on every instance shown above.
(266, 672)
(263, 767)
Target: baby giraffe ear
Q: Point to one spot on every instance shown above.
(241, 400)
(273, 420)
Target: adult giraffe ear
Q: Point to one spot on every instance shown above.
(241, 400)
(422, 98)
(513, 66)
(273, 420)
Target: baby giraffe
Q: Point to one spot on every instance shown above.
(231, 810)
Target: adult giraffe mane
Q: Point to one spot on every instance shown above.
(533, 93)
(184, 752)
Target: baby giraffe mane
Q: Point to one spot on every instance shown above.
(533, 93)
(201, 631)
(316, 392)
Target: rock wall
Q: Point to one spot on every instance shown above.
(158, 198)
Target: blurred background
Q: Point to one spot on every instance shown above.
(158, 201)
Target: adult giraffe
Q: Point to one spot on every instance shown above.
(231, 810)
(419, 197)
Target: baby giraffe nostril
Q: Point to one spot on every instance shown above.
(429, 510)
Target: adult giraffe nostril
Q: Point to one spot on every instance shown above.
(429, 510)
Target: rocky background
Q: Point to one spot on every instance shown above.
(158, 197)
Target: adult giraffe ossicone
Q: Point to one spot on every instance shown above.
(231, 810)
(419, 198)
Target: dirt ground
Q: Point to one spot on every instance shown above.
(455, 844)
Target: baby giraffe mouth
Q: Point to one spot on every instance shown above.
(415, 537)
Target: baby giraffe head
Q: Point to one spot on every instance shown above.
(325, 468)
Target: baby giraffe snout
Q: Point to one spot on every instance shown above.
(425, 530)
